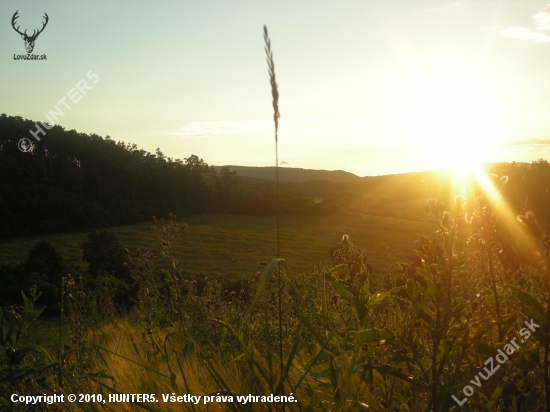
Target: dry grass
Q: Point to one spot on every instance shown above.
(127, 362)
(126, 365)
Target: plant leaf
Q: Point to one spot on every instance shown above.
(529, 300)
(266, 276)
(387, 369)
(374, 335)
(489, 406)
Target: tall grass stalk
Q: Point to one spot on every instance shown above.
(276, 115)
(61, 354)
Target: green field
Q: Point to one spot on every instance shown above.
(223, 245)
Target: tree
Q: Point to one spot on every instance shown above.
(44, 259)
(105, 255)
(229, 178)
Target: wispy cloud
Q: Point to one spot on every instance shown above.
(217, 128)
(525, 34)
(531, 142)
(221, 128)
(542, 19)
(536, 33)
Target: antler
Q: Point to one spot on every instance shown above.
(15, 16)
(42, 29)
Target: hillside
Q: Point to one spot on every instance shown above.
(72, 181)
(225, 245)
(292, 174)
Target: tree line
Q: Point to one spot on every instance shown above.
(73, 181)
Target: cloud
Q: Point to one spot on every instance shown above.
(531, 142)
(221, 128)
(525, 34)
(542, 19)
(542, 23)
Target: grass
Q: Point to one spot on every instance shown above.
(225, 245)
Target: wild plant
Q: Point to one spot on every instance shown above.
(535, 304)
(84, 312)
(506, 263)
(25, 367)
(432, 322)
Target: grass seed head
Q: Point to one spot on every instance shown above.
(446, 221)
(460, 201)
(530, 220)
(272, 80)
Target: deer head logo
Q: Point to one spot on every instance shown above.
(29, 40)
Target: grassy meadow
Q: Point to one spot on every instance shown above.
(226, 245)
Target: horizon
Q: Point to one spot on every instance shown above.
(436, 170)
(371, 89)
(456, 171)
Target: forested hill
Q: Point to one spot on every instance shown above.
(71, 181)
(293, 174)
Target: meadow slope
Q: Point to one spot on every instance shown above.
(226, 245)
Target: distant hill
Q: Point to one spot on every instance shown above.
(292, 174)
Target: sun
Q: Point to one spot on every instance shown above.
(453, 120)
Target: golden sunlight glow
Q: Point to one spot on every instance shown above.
(490, 185)
(454, 120)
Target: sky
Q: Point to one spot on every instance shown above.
(370, 87)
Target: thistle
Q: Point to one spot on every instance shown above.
(460, 201)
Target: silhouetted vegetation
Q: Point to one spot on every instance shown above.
(527, 187)
(42, 270)
(73, 181)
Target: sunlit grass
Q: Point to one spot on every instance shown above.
(222, 245)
